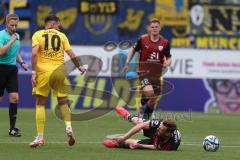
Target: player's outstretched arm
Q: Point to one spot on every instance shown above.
(73, 57)
(130, 55)
(145, 146)
(34, 57)
(141, 146)
(133, 131)
(34, 64)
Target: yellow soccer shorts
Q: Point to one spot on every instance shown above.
(47, 81)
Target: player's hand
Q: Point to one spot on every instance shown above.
(125, 68)
(82, 69)
(14, 37)
(25, 66)
(34, 80)
(134, 145)
(166, 62)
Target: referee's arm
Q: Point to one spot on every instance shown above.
(21, 62)
(5, 47)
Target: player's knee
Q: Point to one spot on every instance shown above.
(40, 100)
(136, 120)
(62, 100)
(14, 98)
(149, 94)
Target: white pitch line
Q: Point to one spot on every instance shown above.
(82, 142)
(49, 142)
(222, 146)
(53, 142)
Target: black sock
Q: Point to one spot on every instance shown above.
(12, 114)
(129, 118)
(144, 101)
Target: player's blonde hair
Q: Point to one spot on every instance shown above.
(11, 16)
(154, 20)
(170, 124)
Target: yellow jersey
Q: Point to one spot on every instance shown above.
(52, 45)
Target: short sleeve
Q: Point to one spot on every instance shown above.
(66, 44)
(137, 45)
(1, 41)
(154, 123)
(167, 50)
(35, 40)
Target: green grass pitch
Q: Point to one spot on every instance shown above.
(90, 135)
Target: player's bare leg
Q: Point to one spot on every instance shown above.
(151, 101)
(130, 143)
(136, 120)
(112, 143)
(127, 115)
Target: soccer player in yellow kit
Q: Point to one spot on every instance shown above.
(48, 48)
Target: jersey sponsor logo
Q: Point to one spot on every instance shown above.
(154, 55)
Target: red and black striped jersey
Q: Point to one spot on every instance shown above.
(152, 51)
(172, 143)
(152, 54)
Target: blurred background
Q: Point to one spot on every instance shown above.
(204, 36)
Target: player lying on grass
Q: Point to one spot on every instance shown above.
(162, 134)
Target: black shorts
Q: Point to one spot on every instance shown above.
(145, 141)
(8, 78)
(156, 84)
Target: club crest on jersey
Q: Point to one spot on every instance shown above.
(160, 48)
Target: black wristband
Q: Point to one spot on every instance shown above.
(22, 63)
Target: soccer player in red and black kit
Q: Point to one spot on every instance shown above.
(162, 134)
(154, 57)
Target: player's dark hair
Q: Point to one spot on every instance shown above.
(170, 124)
(154, 20)
(51, 18)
